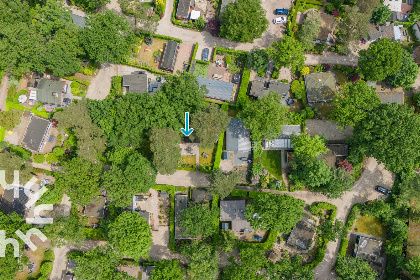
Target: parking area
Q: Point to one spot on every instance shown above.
(200, 52)
(275, 30)
(183, 57)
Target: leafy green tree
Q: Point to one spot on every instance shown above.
(99, 264)
(378, 134)
(288, 52)
(80, 179)
(164, 143)
(412, 265)
(298, 89)
(107, 38)
(331, 231)
(9, 119)
(203, 261)
(310, 29)
(222, 184)
(135, 175)
(354, 268)
(167, 270)
(407, 74)
(65, 231)
(383, 58)
(381, 14)
(310, 172)
(289, 268)
(305, 146)
(265, 117)
(208, 123)
(118, 155)
(354, 103)
(130, 235)
(258, 59)
(253, 260)
(228, 241)
(339, 182)
(9, 162)
(243, 21)
(90, 5)
(51, 17)
(197, 220)
(200, 23)
(144, 19)
(276, 212)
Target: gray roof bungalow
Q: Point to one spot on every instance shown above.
(167, 61)
(238, 141)
(200, 196)
(320, 87)
(284, 141)
(183, 9)
(259, 89)
(136, 82)
(391, 97)
(219, 90)
(96, 208)
(11, 202)
(78, 20)
(301, 236)
(181, 203)
(50, 92)
(328, 129)
(370, 250)
(232, 211)
(36, 134)
(416, 30)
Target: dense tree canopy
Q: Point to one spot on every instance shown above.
(258, 60)
(354, 269)
(9, 162)
(309, 30)
(167, 270)
(265, 117)
(407, 74)
(253, 260)
(275, 212)
(90, 5)
(383, 58)
(10, 119)
(107, 38)
(381, 14)
(203, 261)
(144, 19)
(288, 52)
(130, 235)
(197, 220)
(391, 134)
(65, 230)
(310, 172)
(222, 183)
(289, 268)
(228, 241)
(353, 103)
(208, 123)
(243, 21)
(164, 143)
(305, 146)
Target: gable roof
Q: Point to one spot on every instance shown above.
(96, 208)
(183, 9)
(36, 134)
(233, 211)
(387, 31)
(260, 89)
(320, 87)
(374, 32)
(10, 204)
(329, 130)
(416, 29)
(327, 26)
(49, 91)
(301, 236)
(170, 50)
(237, 136)
(283, 141)
(136, 82)
(217, 89)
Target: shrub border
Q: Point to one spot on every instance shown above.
(351, 218)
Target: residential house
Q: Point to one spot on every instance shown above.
(181, 203)
(416, 30)
(328, 129)
(146, 272)
(200, 195)
(393, 5)
(238, 141)
(284, 141)
(36, 133)
(260, 89)
(136, 82)
(51, 92)
(95, 211)
(302, 236)
(391, 96)
(370, 250)
(334, 151)
(170, 50)
(183, 9)
(217, 89)
(326, 30)
(389, 31)
(78, 20)
(14, 200)
(399, 16)
(320, 87)
(232, 214)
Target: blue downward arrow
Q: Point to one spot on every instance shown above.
(187, 130)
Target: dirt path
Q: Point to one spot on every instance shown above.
(183, 178)
(3, 92)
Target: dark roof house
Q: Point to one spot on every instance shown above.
(136, 82)
(181, 203)
(36, 134)
(416, 30)
(301, 236)
(238, 141)
(14, 202)
(370, 250)
(170, 50)
(200, 196)
(284, 141)
(233, 211)
(328, 129)
(183, 9)
(96, 208)
(50, 92)
(259, 89)
(320, 87)
(219, 90)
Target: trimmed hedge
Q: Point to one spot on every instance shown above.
(215, 206)
(146, 67)
(193, 55)
(202, 62)
(218, 155)
(169, 38)
(351, 218)
(240, 193)
(221, 50)
(74, 79)
(243, 89)
(11, 105)
(2, 133)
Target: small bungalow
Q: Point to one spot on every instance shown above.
(284, 141)
(260, 89)
(302, 236)
(36, 133)
(136, 82)
(320, 87)
(389, 31)
(200, 196)
(232, 213)
(238, 141)
(167, 61)
(217, 89)
(391, 97)
(328, 129)
(181, 203)
(51, 92)
(393, 5)
(183, 8)
(370, 250)
(96, 208)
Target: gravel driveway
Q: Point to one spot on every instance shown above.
(183, 178)
(3, 92)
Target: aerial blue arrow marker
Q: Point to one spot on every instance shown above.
(187, 130)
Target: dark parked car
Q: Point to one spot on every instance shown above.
(236, 78)
(205, 55)
(282, 11)
(383, 190)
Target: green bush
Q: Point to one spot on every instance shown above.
(205, 168)
(193, 55)
(49, 255)
(243, 89)
(80, 81)
(116, 87)
(343, 247)
(200, 23)
(46, 268)
(74, 84)
(39, 158)
(240, 193)
(21, 152)
(275, 75)
(329, 8)
(94, 233)
(215, 207)
(3, 144)
(89, 69)
(52, 196)
(219, 150)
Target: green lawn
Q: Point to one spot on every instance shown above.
(370, 225)
(272, 162)
(201, 70)
(209, 152)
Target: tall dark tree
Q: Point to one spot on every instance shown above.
(90, 5)
(258, 59)
(203, 261)
(407, 74)
(164, 143)
(197, 220)
(288, 52)
(222, 184)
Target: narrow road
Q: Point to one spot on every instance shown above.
(183, 178)
(3, 92)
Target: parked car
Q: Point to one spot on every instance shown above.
(205, 55)
(279, 20)
(281, 11)
(383, 190)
